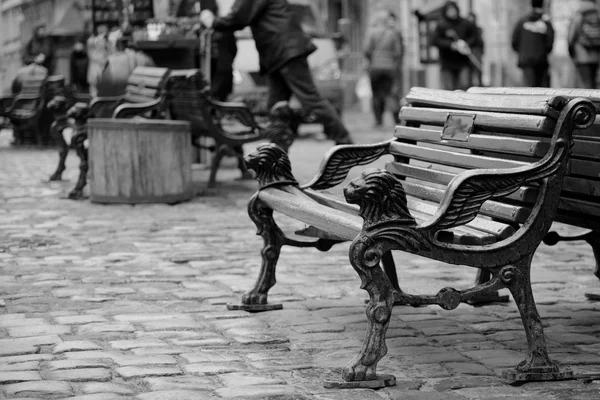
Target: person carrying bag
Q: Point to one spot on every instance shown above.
(584, 43)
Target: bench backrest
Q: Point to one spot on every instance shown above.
(146, 84)
(189, 93)
(55, 86)
(32, 86)
(508, 130)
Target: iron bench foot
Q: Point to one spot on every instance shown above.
(254, 308)
(381, 382)
(515, 376)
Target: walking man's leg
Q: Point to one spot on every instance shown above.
(447, 79)
(529, 77)
(379, 94)
(464, 78)
(297, 77)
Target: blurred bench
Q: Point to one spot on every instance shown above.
(438, 199)
(580, 200)
(26, 108)
(230, 125)
(145, 97)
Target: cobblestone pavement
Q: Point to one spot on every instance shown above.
(128, 302)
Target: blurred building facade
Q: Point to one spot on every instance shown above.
(497, 18)
(67, 20)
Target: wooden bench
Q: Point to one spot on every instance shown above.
(437, 199)
(229, 124)
(145, 97)
(26, 108)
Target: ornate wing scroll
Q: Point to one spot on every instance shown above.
(341, 159)
(469, 190)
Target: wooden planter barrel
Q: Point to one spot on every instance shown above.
(139, 161)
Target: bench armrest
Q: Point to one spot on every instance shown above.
(240, 111)
(130, 110)
(5, 104)
(24, 98)
(104, 106)
(339, 160)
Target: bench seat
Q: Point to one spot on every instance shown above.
(303, 205)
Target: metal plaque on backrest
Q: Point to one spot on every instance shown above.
(458, 127)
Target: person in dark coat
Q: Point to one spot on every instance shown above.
(283, 49)
(532, 39)
(477, 49)
(454, 37)
(79, 67)
(40, 50)
(223, 51)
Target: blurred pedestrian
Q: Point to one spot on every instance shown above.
(533, 39)
(477, 49)
(119, 66)
(383, 51)
(584, 43)
(98, 51)
(283, 49)
(454, 36)
(40, 50)
(223, 52)
(79, 63)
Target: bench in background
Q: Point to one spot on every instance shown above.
(145, 97)
(25, 110)
(230, 125)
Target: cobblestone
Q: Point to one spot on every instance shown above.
(142, 372)
(18, 376)
(128, 302)
(79, 375)
(77, 345)
(45, 389)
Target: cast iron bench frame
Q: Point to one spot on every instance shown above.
(139, 100)
(389, 225)
(190, 100)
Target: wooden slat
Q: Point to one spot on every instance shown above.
(145, 92)
(420, 173)
(585, 168)
(515, 104)
(451, 158)
(136, 98)
(494, 209)
(589, 209)
(524, 124)
(591, 132)
(146, 82)
(524, 194)
(479, 231)
(498, 229)
(306, 210)
(591, 94)
(151, 71)
(581, 186)
(578, 220)
(586, 148)
(527, 147)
